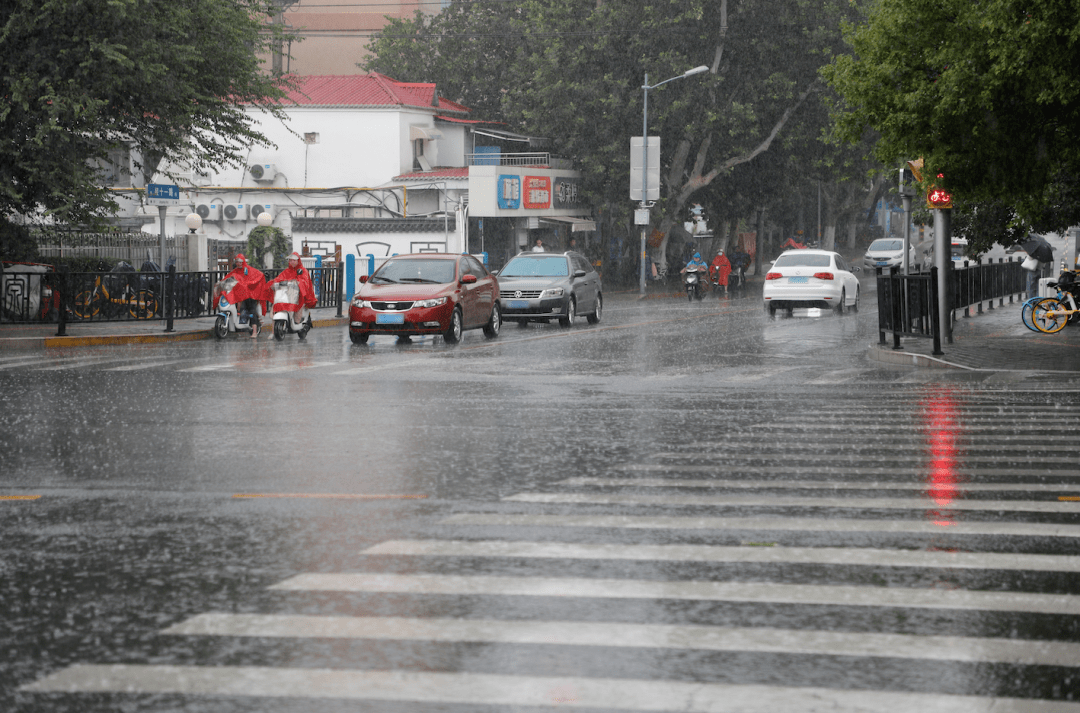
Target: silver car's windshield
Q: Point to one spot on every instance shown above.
(554, 266)
(796, 260)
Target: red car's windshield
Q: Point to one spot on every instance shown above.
(416, 270)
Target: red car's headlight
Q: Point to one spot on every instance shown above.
(430, 303)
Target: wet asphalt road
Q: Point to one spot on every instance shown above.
(685, 507)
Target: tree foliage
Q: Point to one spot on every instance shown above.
(986, 92)
(268, 240)
(81, 78)
(573, 70)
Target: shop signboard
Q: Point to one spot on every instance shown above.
(537, 192)
(509, 192)
(567, 193)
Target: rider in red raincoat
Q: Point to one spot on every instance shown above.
(720, 269)
(249, 290)
(296, 271)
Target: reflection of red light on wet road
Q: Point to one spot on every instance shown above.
(941, 425)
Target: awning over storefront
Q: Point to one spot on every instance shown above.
(423, 132)
(577, 225)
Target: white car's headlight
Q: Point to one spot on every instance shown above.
(430, 303)
(553, 292)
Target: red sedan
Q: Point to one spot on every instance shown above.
(428, 293)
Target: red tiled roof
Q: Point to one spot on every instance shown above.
(434, 173)
(368, 90)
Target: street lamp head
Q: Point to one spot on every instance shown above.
(264, 219)
(193, 221)
(696, 70)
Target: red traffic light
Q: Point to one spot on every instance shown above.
(938, 198)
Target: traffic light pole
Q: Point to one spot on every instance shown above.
(943, 262)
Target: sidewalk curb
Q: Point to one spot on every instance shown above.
(121, 339)
(892, 356)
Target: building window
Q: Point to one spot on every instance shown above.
(418, 153)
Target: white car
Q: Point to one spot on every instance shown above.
(888, 252)
(811, 278)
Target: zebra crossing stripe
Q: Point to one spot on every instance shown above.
(786, 524)
(714, 553)
(756, 592)
(208, 367)
(484, 689)
(1041, 506)
(621, 634)
(815, 484)
(804, 452)
(145, 365)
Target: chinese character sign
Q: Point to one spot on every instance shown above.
(537, 192)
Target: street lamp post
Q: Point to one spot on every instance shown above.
(645, 157)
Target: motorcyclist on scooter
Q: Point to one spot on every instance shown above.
(297, 271)
(250, 289)
(720, 269)
(697, 262)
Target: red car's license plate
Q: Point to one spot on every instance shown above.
(389, 319)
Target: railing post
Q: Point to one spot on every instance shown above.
(65, 299)
(898, 307)
(340, 287)
(168, 286)
(935, 313)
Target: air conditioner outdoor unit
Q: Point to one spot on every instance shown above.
(263, 172)
(235, 211)
(209, 211)
(255, 209)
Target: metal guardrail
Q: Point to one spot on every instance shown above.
(907, 306)
(120, 296)
(907, 303)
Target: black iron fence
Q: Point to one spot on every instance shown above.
(907, 304)
(125, 294)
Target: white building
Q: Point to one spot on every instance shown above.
(368, 165)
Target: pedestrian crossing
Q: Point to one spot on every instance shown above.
(929, 572)
(358, 365)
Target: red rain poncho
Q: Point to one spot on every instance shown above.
(250, 284)
(720, 268)
(307, 292)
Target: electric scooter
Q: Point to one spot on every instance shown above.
(290, 317)
(692, 280)
(230, 318)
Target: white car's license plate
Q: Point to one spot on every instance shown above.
(882, 262)
(798, 280)
(389, 319)
(519, 304)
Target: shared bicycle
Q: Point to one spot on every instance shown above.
(1049, 315)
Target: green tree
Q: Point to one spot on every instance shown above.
(985, 92)
(572, 70)
(82, 78)
(268, 240)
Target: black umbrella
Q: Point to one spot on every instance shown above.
(1036, 246)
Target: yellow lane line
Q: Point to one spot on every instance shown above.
(19, 497)
(338, 496)
(1069, 497)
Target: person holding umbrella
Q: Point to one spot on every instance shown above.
(1039, 261)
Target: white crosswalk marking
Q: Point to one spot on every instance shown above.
(816, 484)
(584, 633)
(505, 690)
(687, 590)
(1043, 506)
(710, 553)
(784, 524)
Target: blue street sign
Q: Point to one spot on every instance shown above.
(163, 190)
